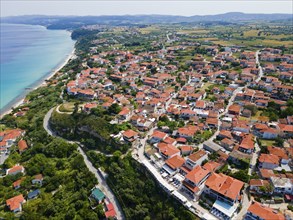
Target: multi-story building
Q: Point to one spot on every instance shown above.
(282, 185)
(196, 159)
(194, 179)
(223, 188)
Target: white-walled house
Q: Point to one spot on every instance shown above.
(268, 161)
(282, 185)
(196, 159)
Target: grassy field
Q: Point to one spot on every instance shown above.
(208, 58)
(267, 142)
(255, 42)
(222, 42)
(206, 86)
(255, 117)
(67, 107)
(251, 33)
(193, 31)
(244, 118)
(149, 29)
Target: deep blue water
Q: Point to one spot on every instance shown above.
(28, 54)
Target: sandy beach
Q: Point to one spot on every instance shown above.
(20, 99)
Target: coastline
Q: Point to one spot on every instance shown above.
(18, 101)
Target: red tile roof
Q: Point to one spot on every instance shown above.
(197, 155)
(269, 158)
(181, 139)
(38, 177)
(211, 166)
(200, 104)
(168, 149)
(17, 182)
(129, 133)
(286, 128)
(280, 152)
(235, 108)
(11, 134)
(90, 105)
(186, 148)
(258, 182)
(265, 173)
(15, 169)
(175, 162)
(247, 142)
(124, 111)
(224, 185)
(264, 212)
(159, 134)
(169, 140)
(15, 202)
(189, 130)
(226, 133)
(110, 213)
(22, 145)
(212, 121)
(197, 174)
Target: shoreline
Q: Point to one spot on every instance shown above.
(18, 101)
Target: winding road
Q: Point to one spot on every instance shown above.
(102, 184)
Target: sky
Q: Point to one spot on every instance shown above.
(110, 7)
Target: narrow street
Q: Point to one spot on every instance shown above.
(103, 185)
(259, 66)
(245, 204)
(231, 100)
(102, 182)
(254, 158)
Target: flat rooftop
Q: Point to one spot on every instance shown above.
(225, 208)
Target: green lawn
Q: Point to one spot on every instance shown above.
(206, 86)
(2, 127)
(267, 142)
(255, 117)
(67, 107)
(244, 118)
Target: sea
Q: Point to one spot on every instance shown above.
(28, 55)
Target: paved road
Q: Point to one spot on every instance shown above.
(231, 101)
(102, 183)
(46, 122)
(259, 67)
(254, 158)
(245, 204)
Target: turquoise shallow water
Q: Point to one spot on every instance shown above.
(28, 55)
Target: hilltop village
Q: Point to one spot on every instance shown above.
(211, 123)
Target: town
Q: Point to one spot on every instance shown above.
(212, 123)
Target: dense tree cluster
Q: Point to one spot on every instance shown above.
(92, 130)
(138, 193)
(274, 112)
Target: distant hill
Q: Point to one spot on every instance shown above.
(69, 22)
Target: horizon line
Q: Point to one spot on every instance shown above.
(146, 14)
